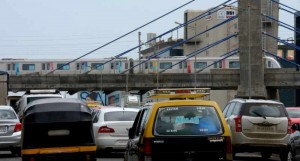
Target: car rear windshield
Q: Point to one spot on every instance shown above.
(7, 115)
(294, 113)
(264, 110)
(120, 116)
(30, 99)
(187, 120)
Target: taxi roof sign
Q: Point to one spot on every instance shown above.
(179, 93)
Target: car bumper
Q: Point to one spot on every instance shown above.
(7, 142)
(244, 143)
(113, 143)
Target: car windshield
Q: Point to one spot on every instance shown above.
(7, 115)
(30, 99)
(187, 120)
(120, 116)
(294, 113)
(264, 110)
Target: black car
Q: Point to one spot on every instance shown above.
(294, 144)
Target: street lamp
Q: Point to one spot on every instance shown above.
(195, 63)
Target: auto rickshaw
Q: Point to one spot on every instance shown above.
(59, 130)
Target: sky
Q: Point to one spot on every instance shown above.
(68, 29)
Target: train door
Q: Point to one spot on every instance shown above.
(119, 67)
(46, 68)
(183, 67)
(131, 64)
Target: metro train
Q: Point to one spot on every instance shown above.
(117, 66)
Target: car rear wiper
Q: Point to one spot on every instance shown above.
(260, 115)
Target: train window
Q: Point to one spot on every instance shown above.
(77, 66)
(63, 67)
(45, 66)
(151, 65)
(269, 64)
(146, 65)
(165, 65)
(218, 65)
(234, 64)
(28, 67)
(200, 65)
(111, 65)
(13, 66)
(98, 66)
(8, 66)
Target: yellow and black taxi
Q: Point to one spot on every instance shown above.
(57, 130)
(179, 130)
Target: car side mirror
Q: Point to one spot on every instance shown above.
(131, 133)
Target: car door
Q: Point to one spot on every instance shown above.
(132, 152)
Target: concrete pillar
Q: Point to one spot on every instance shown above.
(297, 53)
(250, 46)
(3, 88)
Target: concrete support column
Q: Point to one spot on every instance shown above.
(3, 89)
(250, 47)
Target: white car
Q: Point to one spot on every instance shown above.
(111, 125)
(10, 130)
(258, 126)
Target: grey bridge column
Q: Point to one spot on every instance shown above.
(250, 46)
(3, 88)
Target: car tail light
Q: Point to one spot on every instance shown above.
(147, 147)
(228, 148)
(238, 123)
(18, 127)
(88, 158)
(105, 129)
(289, 126)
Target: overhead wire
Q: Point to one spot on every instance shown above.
(202, 49)
(123, 35)
(174, 29)
(181, 42)
(283, 41)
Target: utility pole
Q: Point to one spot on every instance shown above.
(140, 68)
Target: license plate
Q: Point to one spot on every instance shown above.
(3, 129)
(121, 142)
(265, 128)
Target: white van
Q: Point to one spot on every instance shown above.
(33, 95)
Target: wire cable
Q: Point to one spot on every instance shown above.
(285, 25)
(284, 5)
(275, 55)
(180, 43)
(201, 50)
(123, 35)
(283, 41)
(174, 29)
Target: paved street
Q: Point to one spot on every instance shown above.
(6, 156)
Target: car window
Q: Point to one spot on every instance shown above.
(143, 121)
(30, 99)
(226, 109)
(264, 110)
(294, 113)
(7, 115)
(237, 108)
(120, 116)
(230, 110)
(187, 120)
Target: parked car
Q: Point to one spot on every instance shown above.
(258, 126)
(179, 130)
(294, 115)
(10, 130)
(294, 144)
(111, 125)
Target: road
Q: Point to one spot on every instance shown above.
(6, 156)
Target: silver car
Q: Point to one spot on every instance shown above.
(258, 126)
(111, 125)
(10, 130)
